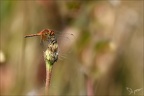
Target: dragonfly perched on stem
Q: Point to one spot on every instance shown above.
(51, 52)
(48, 35)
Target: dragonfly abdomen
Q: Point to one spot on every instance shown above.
(32, 35)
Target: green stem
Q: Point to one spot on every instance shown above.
(49, 66)
(48, 75)
(50, 59)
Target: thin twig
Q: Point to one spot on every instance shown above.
(51, 57)
(89, 86)
(48, 78)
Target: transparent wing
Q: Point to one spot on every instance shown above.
(65, 41)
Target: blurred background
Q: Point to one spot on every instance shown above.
(103, 57)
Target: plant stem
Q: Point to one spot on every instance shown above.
(48, 76)
(51, 57)
(89, 86)
(49, 66)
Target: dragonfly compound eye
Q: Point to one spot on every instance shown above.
(52, 33)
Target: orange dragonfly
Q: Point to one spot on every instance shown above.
(44, 34)
(49, 36)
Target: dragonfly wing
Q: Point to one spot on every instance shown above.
(65, 43)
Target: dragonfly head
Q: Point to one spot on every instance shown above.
(46, 32)
(51, 32)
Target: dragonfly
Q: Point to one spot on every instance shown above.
(48, 36)
(44, 34)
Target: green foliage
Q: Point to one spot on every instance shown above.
(101, 45)
(84, 39)
(6, 7)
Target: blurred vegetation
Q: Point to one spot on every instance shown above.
(103, 57)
